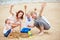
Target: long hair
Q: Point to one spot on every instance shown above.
(20, 11)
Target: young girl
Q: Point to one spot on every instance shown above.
(9, 26)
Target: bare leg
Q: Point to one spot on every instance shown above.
(41, 30)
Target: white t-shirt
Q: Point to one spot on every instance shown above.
(12, 20)
(27, 22)
(6, 28)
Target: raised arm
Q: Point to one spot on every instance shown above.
(25, 8)
(11, 10)
(42, 8)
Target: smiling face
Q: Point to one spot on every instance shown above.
(20, 14)
(34, 15)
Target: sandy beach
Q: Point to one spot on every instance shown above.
(51, 12)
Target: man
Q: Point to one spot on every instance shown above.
(40, 22)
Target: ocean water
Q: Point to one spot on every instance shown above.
(2, 2)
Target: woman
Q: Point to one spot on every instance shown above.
(13, 21)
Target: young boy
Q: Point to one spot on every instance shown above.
(28, 22)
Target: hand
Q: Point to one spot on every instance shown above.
(43, 4)
(31, 26)
(12, 6)
(11, 10)
(25, 6)
(35, 9)
(14, 25)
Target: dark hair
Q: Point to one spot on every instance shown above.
(20, 11)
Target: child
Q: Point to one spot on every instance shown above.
(7, 28)
(28, 22)
(26, 27)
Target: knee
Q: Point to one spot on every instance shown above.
(47, 28)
